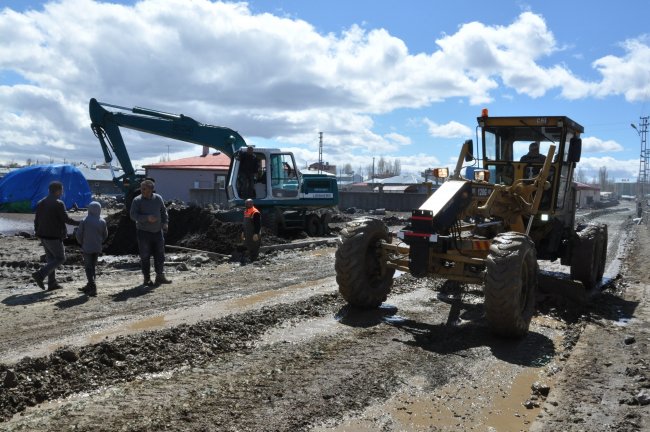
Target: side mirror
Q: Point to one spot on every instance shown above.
(575, 149)
(469, 154)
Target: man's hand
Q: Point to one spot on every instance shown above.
(256, 237)
(151, 218)
(242, 237)
(165, 228)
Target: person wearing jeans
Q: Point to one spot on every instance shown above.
(50, 222)
(151, 221)
(91, 234)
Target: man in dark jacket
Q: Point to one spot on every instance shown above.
(249, 165)
(150, 215)
(50, 227)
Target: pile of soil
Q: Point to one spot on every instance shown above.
(189, 226)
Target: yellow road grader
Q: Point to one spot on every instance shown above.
(488, 226)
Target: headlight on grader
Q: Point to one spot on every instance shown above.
(441, 173)
(482, 175)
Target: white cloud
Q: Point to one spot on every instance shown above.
(596, 145)
(451, 129)
(615, 168)
(398, 138)
(628, 75)
(266, 76)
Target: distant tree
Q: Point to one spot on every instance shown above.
(28, 162)
(397, 167)
(347, 169)
(381, 166)
(602, 178)
(580, 176)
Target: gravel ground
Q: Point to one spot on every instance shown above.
(272, 346)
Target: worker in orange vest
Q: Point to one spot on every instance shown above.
(251, 231)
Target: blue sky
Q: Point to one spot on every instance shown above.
(403, 80)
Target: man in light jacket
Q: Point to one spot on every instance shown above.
(151, 221)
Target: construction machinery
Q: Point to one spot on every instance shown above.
(489, 226)
(288, 198)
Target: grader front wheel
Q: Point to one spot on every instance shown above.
(510, 284)
(363, 278)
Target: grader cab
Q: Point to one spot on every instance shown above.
(514, 205)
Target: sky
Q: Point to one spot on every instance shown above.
(403, 80)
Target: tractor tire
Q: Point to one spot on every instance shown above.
(364, 280)
(313, 226)
(587, 258)
(510, 284)
(602, 232)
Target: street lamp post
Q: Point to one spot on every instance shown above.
(640, 190)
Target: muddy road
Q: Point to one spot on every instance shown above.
(271, 346)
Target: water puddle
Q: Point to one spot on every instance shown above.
(494, 406)
(623, 322)
(508, 413)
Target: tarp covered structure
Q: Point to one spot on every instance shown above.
(22, 189)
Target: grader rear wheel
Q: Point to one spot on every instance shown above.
(510, 284)
(589, 254)
(602, 234)
(364, 280)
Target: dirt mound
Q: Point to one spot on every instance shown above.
(191, 227)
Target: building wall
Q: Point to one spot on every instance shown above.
(587, 197)
(103, 187)
(175, 184)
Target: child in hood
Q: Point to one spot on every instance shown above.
(91, 234)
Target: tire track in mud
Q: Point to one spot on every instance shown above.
(32, 381)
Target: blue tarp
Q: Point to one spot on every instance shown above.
(22, 189)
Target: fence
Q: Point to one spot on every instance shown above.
(377, 200)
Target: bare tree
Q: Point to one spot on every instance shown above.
(397, 167)
(602, 178)
(381, 166)
(580, 176)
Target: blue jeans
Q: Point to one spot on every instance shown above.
(151, 244)
(55, 255)
(90, 263)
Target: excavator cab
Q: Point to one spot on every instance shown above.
(276, 178)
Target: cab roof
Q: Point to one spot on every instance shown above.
(531, 121)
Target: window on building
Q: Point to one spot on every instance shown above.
(219, 181)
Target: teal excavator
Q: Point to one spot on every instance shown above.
(288, 198)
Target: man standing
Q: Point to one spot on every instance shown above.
(249, 165)
(150, 215)
(50, 227)
(251, 230)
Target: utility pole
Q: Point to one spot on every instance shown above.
(320, 152)
(644, 157)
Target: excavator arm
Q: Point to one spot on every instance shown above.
(106, 126)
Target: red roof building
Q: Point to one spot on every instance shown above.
(197, 179)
